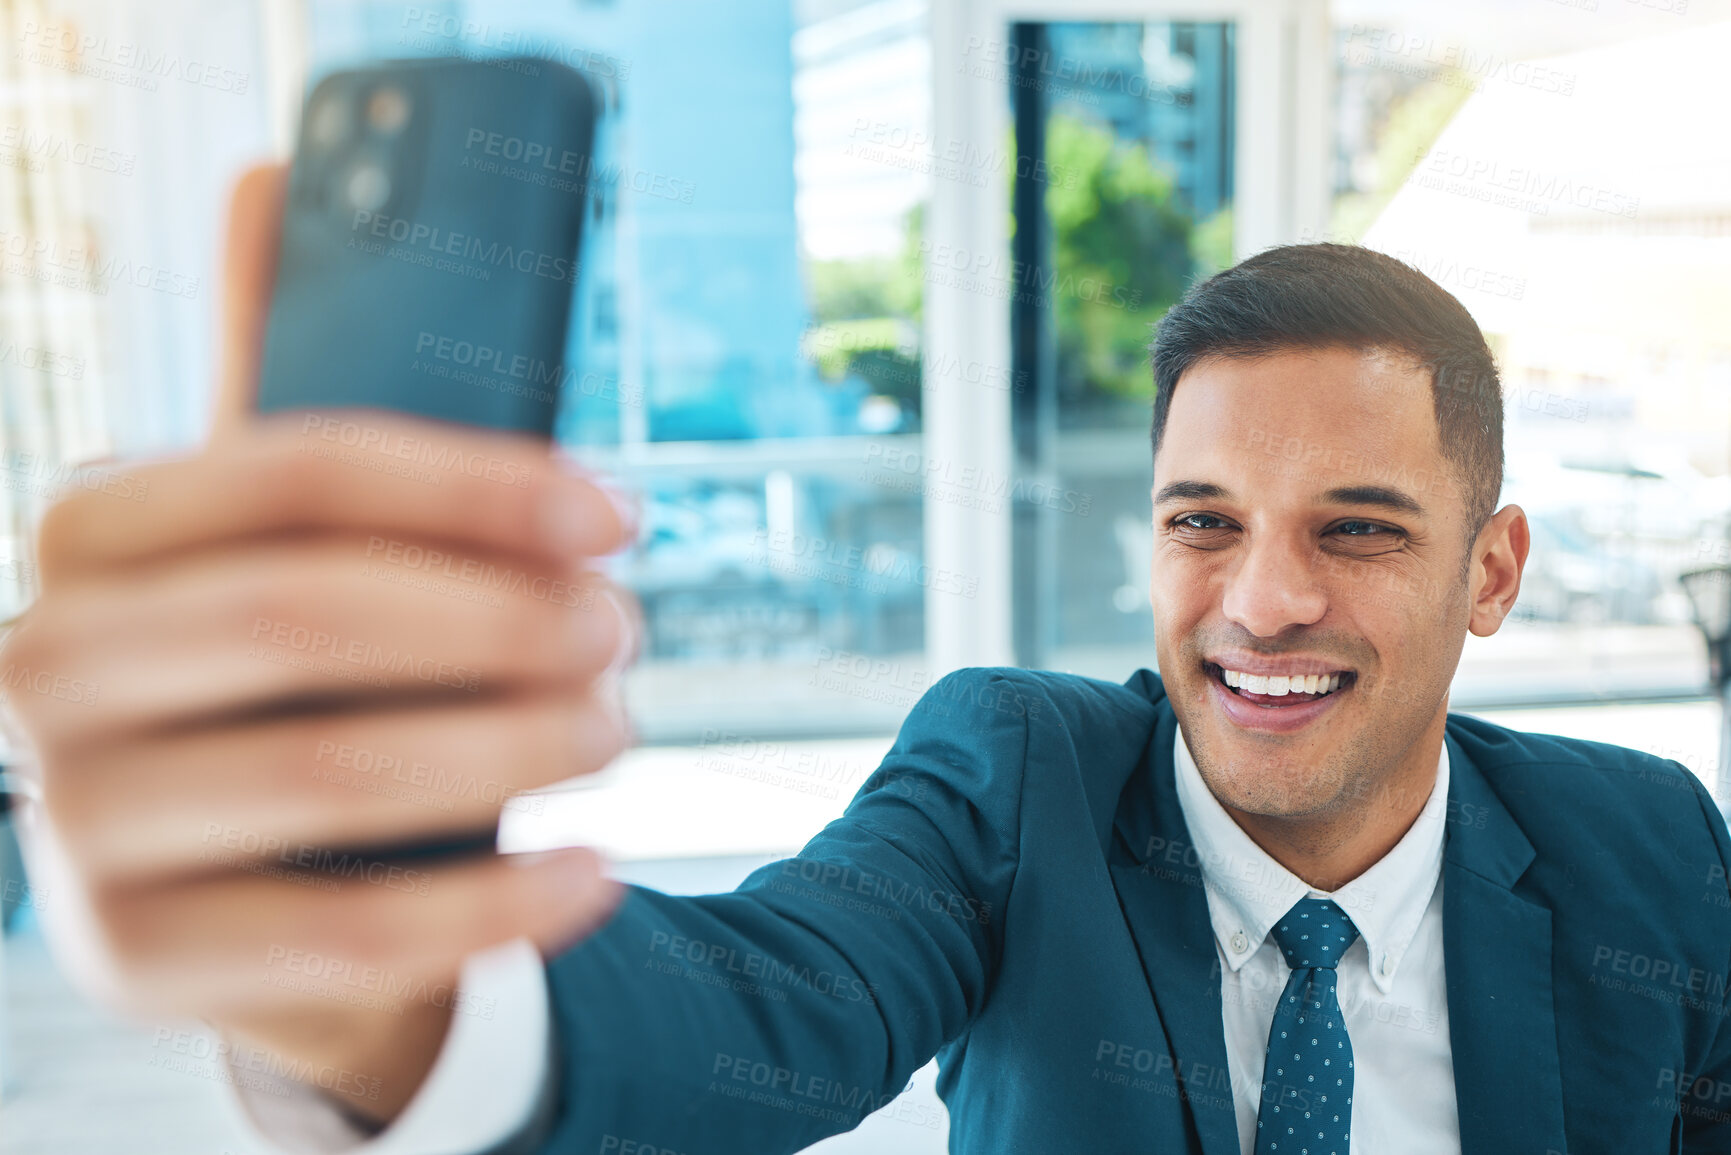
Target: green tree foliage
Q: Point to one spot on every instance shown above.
(1123, 256)
(865, 318)
(1125, 248)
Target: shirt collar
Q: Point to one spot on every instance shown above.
(1248, 891)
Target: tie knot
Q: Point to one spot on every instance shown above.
(1314, 933)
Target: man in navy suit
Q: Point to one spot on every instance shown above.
(1069, 891)
(1273, 899)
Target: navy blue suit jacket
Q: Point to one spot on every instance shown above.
(1013, 891)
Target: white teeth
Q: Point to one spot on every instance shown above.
(1279, 685)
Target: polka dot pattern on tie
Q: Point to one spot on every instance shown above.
(1307, 1078)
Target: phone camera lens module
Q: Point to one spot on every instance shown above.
(329, 123)
(368, 188)
(388, 110)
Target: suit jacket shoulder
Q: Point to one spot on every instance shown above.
(1627, 855)
(1081, 738)
(1606, 817)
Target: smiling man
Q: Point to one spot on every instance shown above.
(1326, 481)
(1274, 899)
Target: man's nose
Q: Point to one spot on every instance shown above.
(1275, 585)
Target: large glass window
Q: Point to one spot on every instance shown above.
(1128, 199)
(748, 336)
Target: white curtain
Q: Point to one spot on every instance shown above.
(123, 126)
(52, 368)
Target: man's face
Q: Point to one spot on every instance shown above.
(1305, 522)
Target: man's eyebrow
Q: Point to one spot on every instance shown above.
(1378, 495)
(1190, 491)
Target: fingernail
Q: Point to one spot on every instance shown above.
(611, 693)
(580, 858)
(568, 876)
(630, 634)
(628, 505)
(562, 864)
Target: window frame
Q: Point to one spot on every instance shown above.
(1284, 137)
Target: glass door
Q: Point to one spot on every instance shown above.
(1150, 144)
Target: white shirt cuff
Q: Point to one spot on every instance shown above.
(487, 1085)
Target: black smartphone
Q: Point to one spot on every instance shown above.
(432, 242)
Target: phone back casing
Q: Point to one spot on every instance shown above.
(429, 268)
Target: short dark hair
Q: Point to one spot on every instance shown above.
(1344, 296)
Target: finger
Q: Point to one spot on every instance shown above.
(232, 945)
(377, 473)
(288, 792)
(249, 276)
(211, 637)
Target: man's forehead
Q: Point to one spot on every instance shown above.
(1391, 374)
(1372, 401)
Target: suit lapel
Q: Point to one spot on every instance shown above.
(1497, 958)
(1159, 881)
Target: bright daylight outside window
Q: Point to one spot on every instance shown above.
(1585, 235)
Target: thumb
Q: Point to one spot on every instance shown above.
(249, 274)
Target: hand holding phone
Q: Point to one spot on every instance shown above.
(202, 737)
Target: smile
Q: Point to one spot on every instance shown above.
(1245, 694)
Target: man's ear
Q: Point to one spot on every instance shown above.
(1494, 577)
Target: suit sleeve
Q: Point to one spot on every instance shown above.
(1705, 1105)
(763, 1020)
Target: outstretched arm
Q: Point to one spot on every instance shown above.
(765, 1019)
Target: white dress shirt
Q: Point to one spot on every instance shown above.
(488, 1081)
(1403, 1095)
(491, 1076)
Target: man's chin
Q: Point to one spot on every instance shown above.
(1272, 775)
(1274, 792)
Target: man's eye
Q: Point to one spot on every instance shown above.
(1193, 520)
(1362, 529)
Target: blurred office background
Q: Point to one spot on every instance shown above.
(865, 320)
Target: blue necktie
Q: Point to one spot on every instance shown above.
(1307, 1079)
